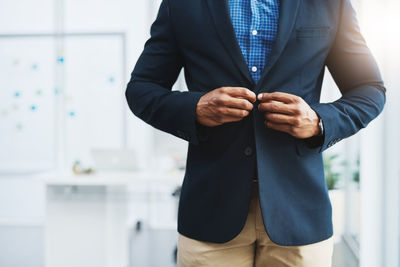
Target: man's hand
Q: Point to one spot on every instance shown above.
(225, 104)
(289, 113)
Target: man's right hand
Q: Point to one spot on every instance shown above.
(225, 104)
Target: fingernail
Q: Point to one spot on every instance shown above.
(260, 96)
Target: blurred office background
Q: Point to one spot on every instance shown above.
(85, 183)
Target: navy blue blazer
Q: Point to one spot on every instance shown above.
(198, 35)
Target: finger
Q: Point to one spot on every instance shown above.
(231, 119)
(281, 118)
(279, 96)
(241, 92)
(282, 127)
(238, 103)
(276, 107)
(233, 112)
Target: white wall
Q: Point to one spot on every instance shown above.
(21, 201)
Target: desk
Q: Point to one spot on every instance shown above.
(86, 216)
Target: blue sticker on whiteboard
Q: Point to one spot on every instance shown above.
(33, 107)
(17, 94)
(38, 92)
(35, 66)
(72, 114)
(56, 91)
(111, 79)
(19, 126)
(60, 60)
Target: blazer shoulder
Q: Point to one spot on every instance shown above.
(178, 3)
(334, 5)
(185, 5)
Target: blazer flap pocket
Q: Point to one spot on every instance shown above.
(312, 31)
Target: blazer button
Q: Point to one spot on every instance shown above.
(248, 151)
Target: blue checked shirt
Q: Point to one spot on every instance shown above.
(256, 24)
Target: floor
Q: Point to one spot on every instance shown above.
(23, 247)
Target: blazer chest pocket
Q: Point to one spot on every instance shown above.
(312, 32)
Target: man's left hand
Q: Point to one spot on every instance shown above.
(288, 113)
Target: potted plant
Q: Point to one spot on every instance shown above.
(336, 195)
(331, 176)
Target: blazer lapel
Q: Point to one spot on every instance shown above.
(287, 17)
(223, 24)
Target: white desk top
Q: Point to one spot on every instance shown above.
(111, 178)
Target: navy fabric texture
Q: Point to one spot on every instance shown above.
(199, 36)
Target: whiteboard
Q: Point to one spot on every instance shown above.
(27, 107)
(57, 97)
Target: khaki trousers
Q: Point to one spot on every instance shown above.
(252, 247)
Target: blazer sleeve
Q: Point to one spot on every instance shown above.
(356, 73)
(149, 93)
